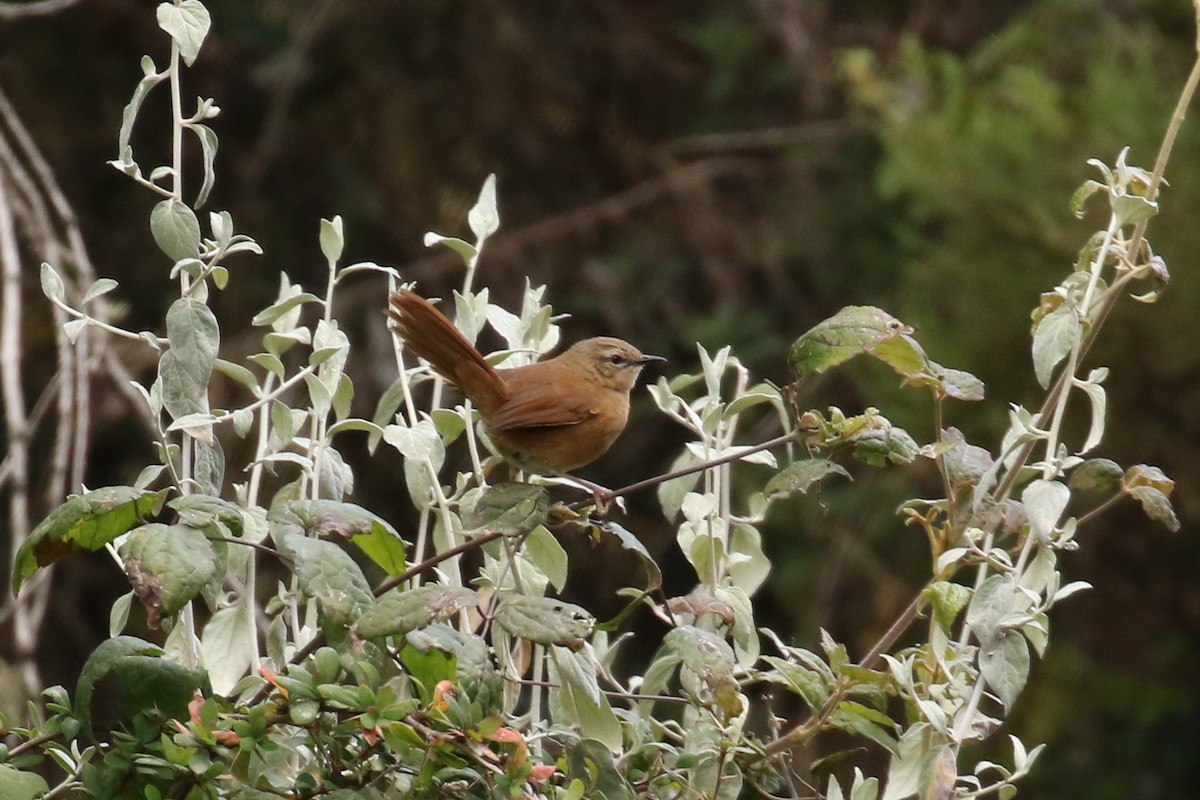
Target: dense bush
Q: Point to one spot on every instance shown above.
(439, 662)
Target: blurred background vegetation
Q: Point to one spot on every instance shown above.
(713, 171)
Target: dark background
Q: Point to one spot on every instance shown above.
(712, 172)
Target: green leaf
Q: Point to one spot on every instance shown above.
(906, 356)
(194, 337)
(1004, 664)
(591, 768)
(167, 566)
(332, 239)
(914, 752)
(208, 148)
(228, 645)
(52, 285)
(318, 395)
(671, 493)
(209, 466)
(856, 718)
(877, 441)
(748, 564)
(511, 508)
(16, 784)
(399, 611)
(1045, 502)
(126, 677)
(1094, 390)
(187, 22)
(353, 424)
(707, 660)
(756, 395)
(423, 453)
(1157, 505)
(996, 598)
(176, 230)
(800, 476)
(465, 250)
(959, 384)
(1080, 198)
(810, 684)
(213, 515)
(1097, 475)
(237, 372)
(377, 539)
(433, 660)
(965, 463)
(73, 327)
(1053, 337)
(580, 700)
(1130, 209)
(947, 600)
(1147, 475)
(548, 556)
(88, 522)
(99, 288)
(269, 362)
(328, 575)
(343, 399)
(281, 307)
(544, 620)
(150, 79)
(118, 615)
(853, 331)
(484, 217)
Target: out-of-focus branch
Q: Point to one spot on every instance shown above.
(38, 8)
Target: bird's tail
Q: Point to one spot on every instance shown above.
(434, 338)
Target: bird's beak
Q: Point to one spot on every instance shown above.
(645, 359)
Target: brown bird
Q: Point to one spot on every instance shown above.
(549, 417)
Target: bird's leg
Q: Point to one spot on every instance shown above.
(602, 496)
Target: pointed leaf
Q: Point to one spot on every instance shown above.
(332, 239)
(854, 717)
(1156, 505)
(185, 369)
(1004, 664)
(579, 698)
(484, 218)
(799, 476)
(947, 600)
(17, 784)
(176, 230)
(125, 677)
(328, 575)
(228, 646)
(378, 540)
(857, 330)
(208, 148)
(512, 508)
(167, 566)
(1054, 336)
(187, 22)
(399, 610)
(548, 556)
(1097, 475)
(87, 521)
(52, 285)
(544, 620)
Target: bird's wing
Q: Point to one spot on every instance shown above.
(527, 407)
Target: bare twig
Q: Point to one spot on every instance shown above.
(15, 420)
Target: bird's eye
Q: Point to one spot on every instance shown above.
(616, 359)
